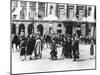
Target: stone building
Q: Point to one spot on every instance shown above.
(30, 16)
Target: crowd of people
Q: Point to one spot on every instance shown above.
(34, 43)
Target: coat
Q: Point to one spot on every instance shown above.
(23, 48)
(37, 48)
(53, 49)
(75, 47)
(30, 46)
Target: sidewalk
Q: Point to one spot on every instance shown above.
(45, 64)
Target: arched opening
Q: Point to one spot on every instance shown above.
(30, 29)
(40, 29)
(69, 29)
(21, 28)
(13, 28)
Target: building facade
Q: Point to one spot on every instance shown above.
(30, 16)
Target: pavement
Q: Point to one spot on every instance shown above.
(45, 64)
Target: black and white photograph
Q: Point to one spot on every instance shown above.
(52, 36)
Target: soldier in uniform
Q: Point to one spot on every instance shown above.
(76, 48)
(23, 48)
(53, 52)
(30, 47)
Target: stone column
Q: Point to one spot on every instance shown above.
(75, 11)
(36, 10)
(18, 15)
(66, 11)
(27, 13)
(92, 29)
(54, 8)
(26, 29)
(45, 9)
(17, 29)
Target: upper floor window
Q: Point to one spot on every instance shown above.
(70, 11)
(80, 12)
(89, 11)
(41, 10)
(14, 5)
(32, 10)
(60, 11)
(23, 11)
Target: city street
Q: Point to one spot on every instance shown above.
(45, 64)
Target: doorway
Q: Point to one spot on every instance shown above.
(69, 30)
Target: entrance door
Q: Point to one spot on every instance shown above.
(69, 30)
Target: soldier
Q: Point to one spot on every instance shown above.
(64, 44)
(53, 52)
(23, 48)
(69, 47)
(76, 48)
(30, 47)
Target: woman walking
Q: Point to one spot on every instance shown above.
(38, 48)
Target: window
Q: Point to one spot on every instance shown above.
(14, 5)
(80, 12)
(60, 11)
(23, 11)
(89, 11)
(51, 9)
(70, 11)
(41, 9)
(32, 10)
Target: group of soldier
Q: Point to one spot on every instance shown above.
(33, 44)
